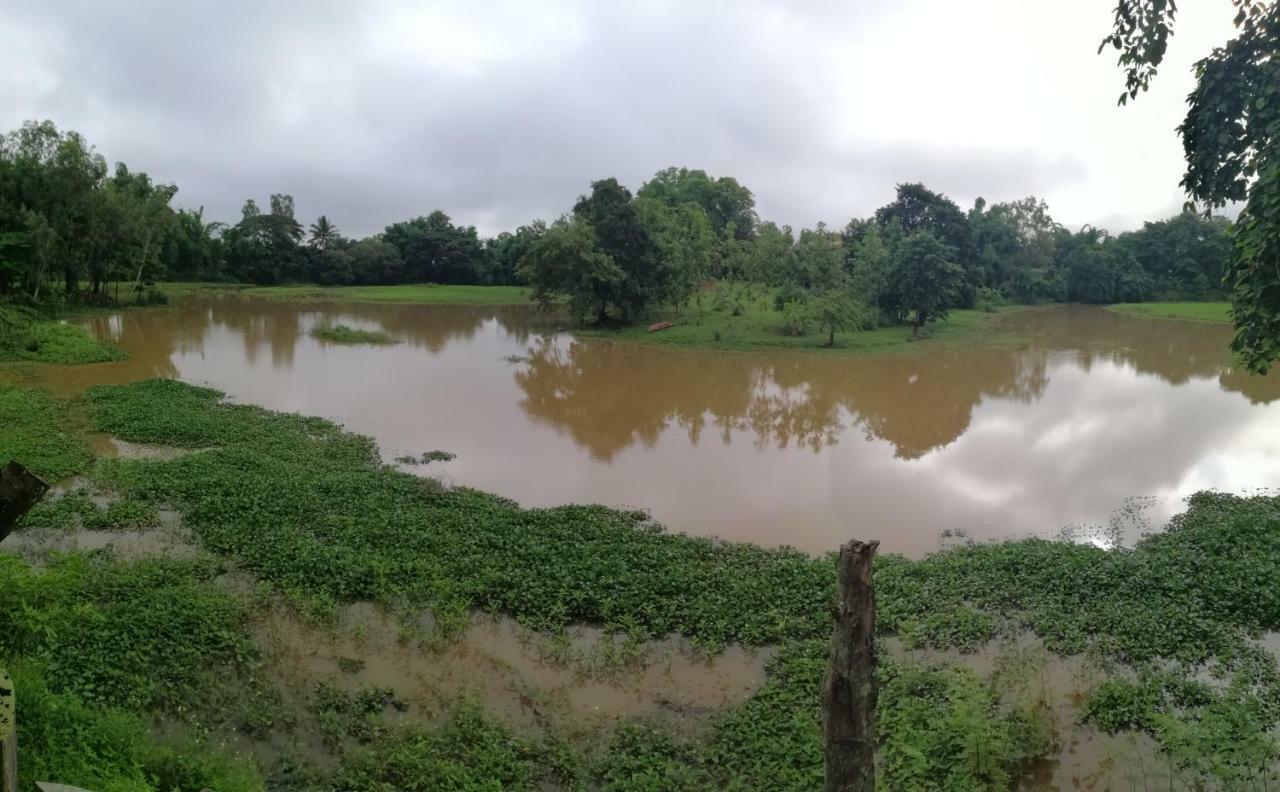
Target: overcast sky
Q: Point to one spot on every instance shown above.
(500, 112)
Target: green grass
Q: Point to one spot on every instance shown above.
(41, 432)
(27, 336)
(424, 293)
(1217, 312)
(342, 334)
(740, 319)
(312, 510)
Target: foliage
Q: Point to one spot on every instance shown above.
(1229, 139)
(311, 509)
(342, 334)
(26, 335)
(38, 430)
(565, 262)
(104, 631)
(925, 280)
(108, 749)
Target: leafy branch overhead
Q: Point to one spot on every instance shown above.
(1229, 139)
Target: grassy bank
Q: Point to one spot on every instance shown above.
(424, 293)
(1216, 312)
(745, 320)
(26, 335)
(311, 511)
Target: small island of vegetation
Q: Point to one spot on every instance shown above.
(342, 334)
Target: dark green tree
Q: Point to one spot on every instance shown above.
(925, 281)
(566, 262)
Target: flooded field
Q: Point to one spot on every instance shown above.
(1097, 420)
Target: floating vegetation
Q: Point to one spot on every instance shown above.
(342, 334)
(427, 458)
(311, 510)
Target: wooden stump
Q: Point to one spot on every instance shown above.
(8, 736)
(849, 691)
(19, 491)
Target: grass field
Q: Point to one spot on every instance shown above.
(751, 323)
(425, 293)
(1216, 312)
(28, 336)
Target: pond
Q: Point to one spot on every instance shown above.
(1095, 421)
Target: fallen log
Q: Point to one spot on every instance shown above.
(653, 328)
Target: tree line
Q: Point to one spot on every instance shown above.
(70, 224)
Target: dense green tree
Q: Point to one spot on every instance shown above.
(434, 250)
(925, 281)
(1186, 256)
(684, 243)
(265, 248)
(870, 266)
(611, 214)
(1231, 137)
(373, 260)
(566, 262)
(917, 208)
(505, 251)
(730, 207)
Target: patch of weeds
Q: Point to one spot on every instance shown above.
(26, 335)
(41, 432)
(108, 749)
(342, 334)
(467, 752)
(341, 716)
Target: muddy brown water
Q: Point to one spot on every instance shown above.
(1097, 420)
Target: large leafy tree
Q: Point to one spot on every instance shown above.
(434, 250)
(619, 233)
(925, 281)
(1231, 138)
(730, 207)
(566, 262)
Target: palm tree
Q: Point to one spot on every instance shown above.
(323, 233)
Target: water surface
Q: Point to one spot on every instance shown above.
(1097, 420)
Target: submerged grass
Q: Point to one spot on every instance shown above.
(342, 334)
(1216, 312)
(27, 336)
(312, 510)
(743, 319)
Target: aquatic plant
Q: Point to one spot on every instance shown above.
(342, 334)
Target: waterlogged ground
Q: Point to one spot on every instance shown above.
(224, 597)
(1093, 419)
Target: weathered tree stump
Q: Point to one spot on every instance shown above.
(849, 691)
(8, 736)
(19, 491)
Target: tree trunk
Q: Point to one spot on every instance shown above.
(849, 691)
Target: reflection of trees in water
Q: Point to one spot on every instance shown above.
(609, 396)
(1177, 352)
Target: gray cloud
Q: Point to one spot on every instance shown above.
(502, 112)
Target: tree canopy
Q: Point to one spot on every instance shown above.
(1230, 137)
